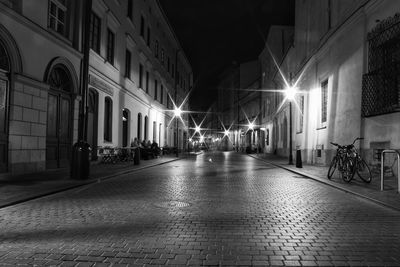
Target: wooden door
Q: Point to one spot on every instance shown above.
(58, 142)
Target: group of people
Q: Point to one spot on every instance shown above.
(147, 148)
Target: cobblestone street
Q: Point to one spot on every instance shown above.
(216, 209)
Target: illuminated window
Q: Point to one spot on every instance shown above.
(324, 100)
(57, 16)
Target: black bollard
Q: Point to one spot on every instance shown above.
(80, 162)
(299, 163)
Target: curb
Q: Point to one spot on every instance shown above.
(326, 182)
(84, 183)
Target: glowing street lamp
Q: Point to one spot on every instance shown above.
(251, 126)
(290, 93)
(226, 133)
(197, 129)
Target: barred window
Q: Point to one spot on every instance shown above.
(381, 85)
(57, 16)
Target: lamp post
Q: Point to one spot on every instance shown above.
(177, 114)
(290, 93)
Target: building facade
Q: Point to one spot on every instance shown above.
(345, 59)
(136, 62)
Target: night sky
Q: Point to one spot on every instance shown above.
(216, 33)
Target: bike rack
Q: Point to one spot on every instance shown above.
(398, 167)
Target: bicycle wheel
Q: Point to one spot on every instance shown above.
(348, 170)
(363, 171)
(332, 167)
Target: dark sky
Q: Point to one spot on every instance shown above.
(216, 33)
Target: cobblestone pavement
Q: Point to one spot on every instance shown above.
(218, 209)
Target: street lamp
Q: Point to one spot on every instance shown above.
(290, 93)
(177, 114)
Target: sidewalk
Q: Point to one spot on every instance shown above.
(29, 186)
(389, 197)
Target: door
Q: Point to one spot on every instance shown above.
(125, 127)
(92, 120)
(3, 124)
(58, 142)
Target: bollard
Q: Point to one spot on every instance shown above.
(80, 163)
(136, 157)
(299, 163)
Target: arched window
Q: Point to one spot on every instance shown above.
(146, 126)
(108, 119)
(60, 79)
(4, 62)
(139, 127)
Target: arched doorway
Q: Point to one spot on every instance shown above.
(139, 127)
(125, 127)
(59, 116)
(4, 88)
(92, 121)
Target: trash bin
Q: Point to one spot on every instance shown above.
(80, 162)
(136, 157)
(299, 163)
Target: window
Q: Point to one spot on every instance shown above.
(162, 94)
(301, 114)
(142, 26)
(128, 64)
(324, 100)
(146, 126)
(154, 131)
(168, 64)
(110, 46)
(148, 36)
(162, 56)
(156, 47)
(139, 127)
(57, 16)
(95, 30)
(155, 90)
(140, 76)
(173, 70)
(381, 85)
(130, 9)
(108, 119)
(147, 82)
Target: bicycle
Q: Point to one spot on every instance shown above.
(360, 166)
(350, 162)
(342, 162)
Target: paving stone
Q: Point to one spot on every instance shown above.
(191, 212)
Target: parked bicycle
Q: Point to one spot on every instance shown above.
(349, 162)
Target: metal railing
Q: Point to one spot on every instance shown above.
(398, 167)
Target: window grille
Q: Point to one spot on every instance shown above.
(381, 85)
